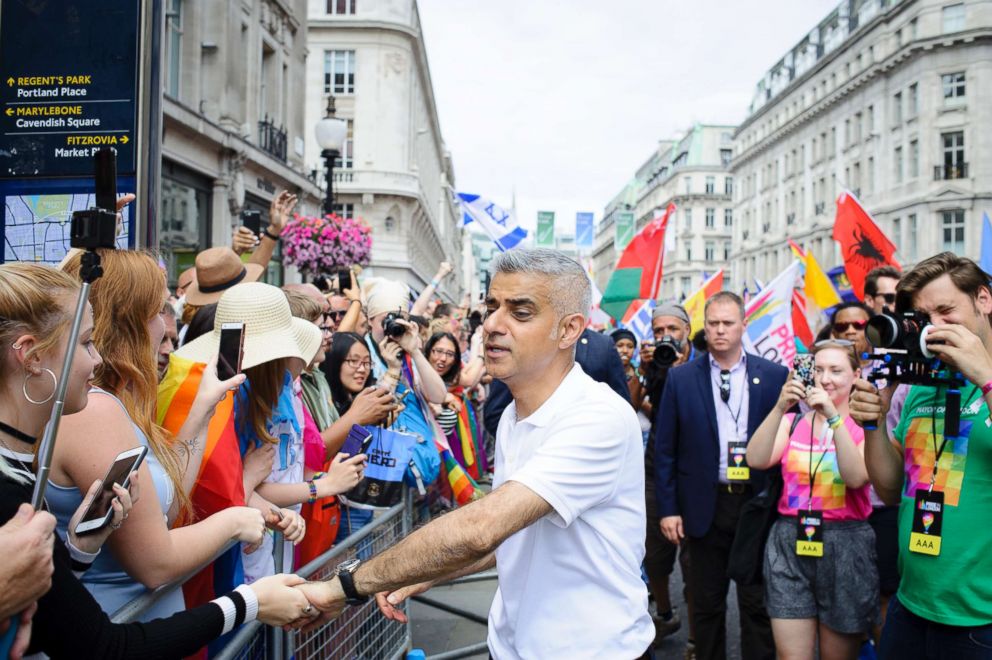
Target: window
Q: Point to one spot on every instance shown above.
(348, 148)
(726, 155)
(345, 211)
(686, 286)
(858, 118)
(728, 185)
(710, 218)
(953, 148)
(833, 141)
(688, 184)
(726, 250)
(847, 133)
(952, 224)
(911, 237)
(953, 16)
(173, 46)
(185, 217)
(341, 6)
(870, 180)
(897, 108)
(914, 30)
(688, 218)
(709, 251)
(870, 119)
(914, 159)
(897, 164)
(954, 87)
(898, 37)
(710, 185)
(728, 217)
(897, 234)
(688, 250)
(339, 72)
(913, 101)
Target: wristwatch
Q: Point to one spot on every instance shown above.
(346, 574)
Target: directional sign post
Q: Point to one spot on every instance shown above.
(69, 84)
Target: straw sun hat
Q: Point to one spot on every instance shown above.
(217, 270)
(271, 331)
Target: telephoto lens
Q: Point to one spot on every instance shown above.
(667, 352)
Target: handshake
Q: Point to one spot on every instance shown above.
(292, 602)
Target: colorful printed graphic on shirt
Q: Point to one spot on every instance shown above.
(920, 457)
(829, 490)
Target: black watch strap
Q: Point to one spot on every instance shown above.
(269, 234)
(351, 595)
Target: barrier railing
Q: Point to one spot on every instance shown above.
(359, 632)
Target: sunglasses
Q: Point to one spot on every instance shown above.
(337, 316)
(725, 385)
(844, 327)
(890, 298)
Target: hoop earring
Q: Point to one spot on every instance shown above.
(24, 387)
(16, 346)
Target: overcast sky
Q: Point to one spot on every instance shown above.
(561, 101)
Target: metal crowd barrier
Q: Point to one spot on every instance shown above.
(360, 632)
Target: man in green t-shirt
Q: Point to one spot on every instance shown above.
(943, 608)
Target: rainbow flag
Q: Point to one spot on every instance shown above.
(462, 485)
(219, 482)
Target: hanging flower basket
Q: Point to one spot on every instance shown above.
(317, 245)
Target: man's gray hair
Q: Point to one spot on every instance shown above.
(570, 290)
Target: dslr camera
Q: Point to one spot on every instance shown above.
(391, 327)
(667, 352)
(899, 342)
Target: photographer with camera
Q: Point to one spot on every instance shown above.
(671, 348)
(944, 603)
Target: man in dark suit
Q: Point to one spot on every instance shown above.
(596, 355)
(709, 409)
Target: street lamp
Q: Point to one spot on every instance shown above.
(330, 133)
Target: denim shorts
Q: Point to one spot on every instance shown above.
(840, 589)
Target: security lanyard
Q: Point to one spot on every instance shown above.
(938, 452)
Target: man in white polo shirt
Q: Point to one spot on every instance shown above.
(564, 524)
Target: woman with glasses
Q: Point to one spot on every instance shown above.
(821, 582)
(350, 378)
(442, 351)
(848, 322)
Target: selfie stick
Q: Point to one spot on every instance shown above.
(90, 229)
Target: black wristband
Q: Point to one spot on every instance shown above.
(270, 235)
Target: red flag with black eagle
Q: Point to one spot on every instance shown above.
(864, 246)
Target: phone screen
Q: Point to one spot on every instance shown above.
(119, 473)
(253, 221)
(231, 345)
(344, 279)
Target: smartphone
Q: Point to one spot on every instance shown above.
(344, 280)
(357, 442)
(99, 512)
(253, 221)
(803, 370)
(232, 345)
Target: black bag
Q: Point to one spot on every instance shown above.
(747, 553)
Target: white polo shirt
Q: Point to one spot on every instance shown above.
(570, 584)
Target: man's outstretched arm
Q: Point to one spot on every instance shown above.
(452, 543)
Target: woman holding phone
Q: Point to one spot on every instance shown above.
(148, 552)
(821, 584)
(36, 309)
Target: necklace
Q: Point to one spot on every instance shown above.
(19, 435)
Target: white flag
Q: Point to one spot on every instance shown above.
(769, 319)
(497, 222)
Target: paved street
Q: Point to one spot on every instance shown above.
(435, 631)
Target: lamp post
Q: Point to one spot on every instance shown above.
(330, 133)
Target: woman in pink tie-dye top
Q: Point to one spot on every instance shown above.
(821, 582)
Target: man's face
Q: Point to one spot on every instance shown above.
(185, 279)
(724, 327)
(886, 296)
(673, 326)
(167, 345)
(335, 312)
(947, 304)
(521, 331)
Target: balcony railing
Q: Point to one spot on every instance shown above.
(343, 176)
(946, 172)
(272, 139)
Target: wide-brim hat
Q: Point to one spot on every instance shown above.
(217, 270)
(271, 330)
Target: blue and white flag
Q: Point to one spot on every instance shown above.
(639, 321)
(986, 256)
(584, 230)
(497, 222)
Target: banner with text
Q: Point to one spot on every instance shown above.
(584, 230)
(545, 229)
(624, 230)
(769, 331)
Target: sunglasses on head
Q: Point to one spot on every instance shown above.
(844, 327)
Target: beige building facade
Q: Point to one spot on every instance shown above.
(889, 99)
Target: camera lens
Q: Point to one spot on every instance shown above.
(667, 352)
(882, 331)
